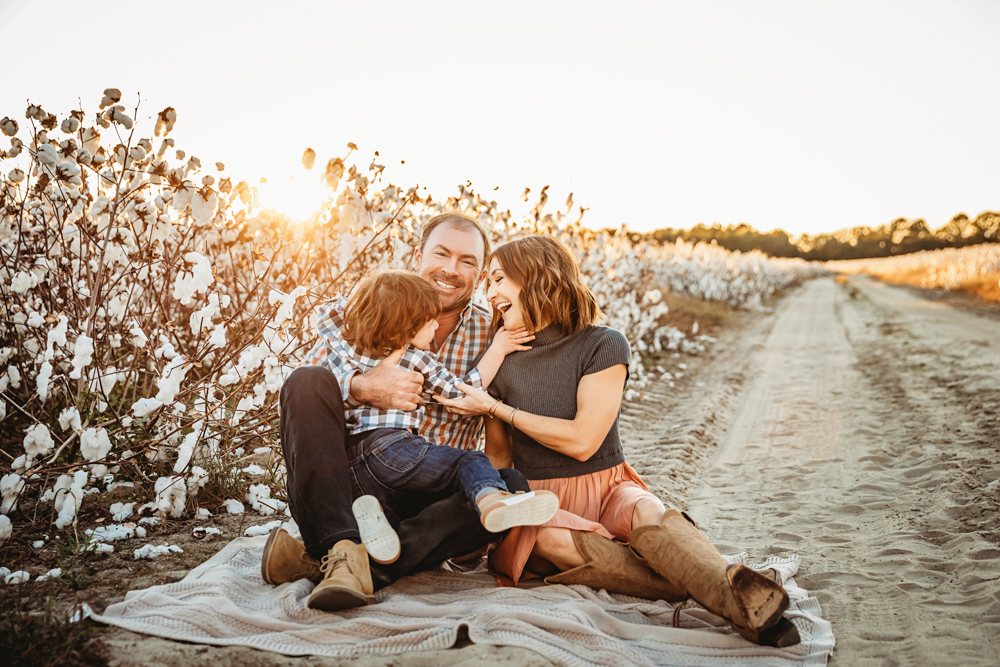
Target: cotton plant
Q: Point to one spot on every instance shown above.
(152, 309)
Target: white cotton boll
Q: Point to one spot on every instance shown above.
(5, 354)
(196, 480)
(121, 511)
(218, 337)
(16, 146)
(70, 418)
(5, 529)
(20, 464)
(149, 552)
(37, 441)
(203, 513)
(186, 449)
(259, 497)
(287, 304)
(11, 486)
(47, 155)
(170, 383)
(84, 156)
(22, 282)
(112, 533)
(119, 116)
(67, 497)
(42, 381)
(98, 472)
(56, 335)
(201, 320)
(19, 577)
(308, 159)
(16, 175)
(186, 285)
(83, 352)
(204, 207)
(111, 96)
(104, 381)
(95, 444)
(208, 179)
(8, 126)
(137, 153)
(255, 531)
(165, 122)
(3, 406)
(254, 469)
(38, 544)
(170, 495)
(54, 573)
(233, 506)
(165, 351)
(36, 320)
(139, 339)
(144, 406)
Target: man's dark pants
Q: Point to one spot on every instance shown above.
(431, 527)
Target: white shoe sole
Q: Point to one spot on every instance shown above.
(377, 535)
(524, 509)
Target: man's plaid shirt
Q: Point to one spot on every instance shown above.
(433, 422)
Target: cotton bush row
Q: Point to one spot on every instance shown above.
(151, 310)
(946, 268)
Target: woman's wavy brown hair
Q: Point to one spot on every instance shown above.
(552, 287)
(387, 310)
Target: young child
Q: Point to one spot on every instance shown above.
(389, 312)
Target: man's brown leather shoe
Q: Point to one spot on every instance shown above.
(285, 559)
(347, 579)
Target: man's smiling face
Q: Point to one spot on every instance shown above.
(451, 261)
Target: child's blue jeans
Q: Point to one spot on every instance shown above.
(388, 461)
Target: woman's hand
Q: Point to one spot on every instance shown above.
(512, 340)
(476, 401)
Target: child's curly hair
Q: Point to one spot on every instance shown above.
(387, 310)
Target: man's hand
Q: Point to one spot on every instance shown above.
(387, 386)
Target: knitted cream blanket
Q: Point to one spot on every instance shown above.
(224, 601)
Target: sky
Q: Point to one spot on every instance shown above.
(808, 117)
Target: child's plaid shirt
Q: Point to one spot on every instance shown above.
(432, 421)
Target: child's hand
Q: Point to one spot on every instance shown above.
(513, 340)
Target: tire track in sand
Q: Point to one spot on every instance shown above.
(866, 441)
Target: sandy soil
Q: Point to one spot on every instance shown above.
(856, 425)
(864, 436)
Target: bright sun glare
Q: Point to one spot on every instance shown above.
(297, 198)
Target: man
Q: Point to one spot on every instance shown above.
(431, 529)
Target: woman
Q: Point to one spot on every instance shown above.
(554, 417)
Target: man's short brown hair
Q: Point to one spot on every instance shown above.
(387, 310)
(455, 219)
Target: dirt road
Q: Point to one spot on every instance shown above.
(858, 427)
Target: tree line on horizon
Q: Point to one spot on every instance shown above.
(899, 237)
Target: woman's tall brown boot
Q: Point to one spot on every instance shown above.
(752, 603)
(613, 567)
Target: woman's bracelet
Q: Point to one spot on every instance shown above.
(512, 416)
(493, 408)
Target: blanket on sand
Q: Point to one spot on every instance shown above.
(224, 601)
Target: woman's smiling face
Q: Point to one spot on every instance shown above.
(504, 295)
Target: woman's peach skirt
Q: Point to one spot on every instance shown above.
(601, 502)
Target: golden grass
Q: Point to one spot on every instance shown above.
(985, 287)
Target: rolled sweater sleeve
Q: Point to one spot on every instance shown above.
(609, 349)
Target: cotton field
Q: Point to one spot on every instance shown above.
(152, 309)
(947, 268)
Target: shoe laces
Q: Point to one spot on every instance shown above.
(331, 561)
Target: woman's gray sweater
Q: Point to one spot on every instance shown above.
(544, 381)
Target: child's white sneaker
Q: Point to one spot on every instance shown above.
(377, 535)
(503, 510)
